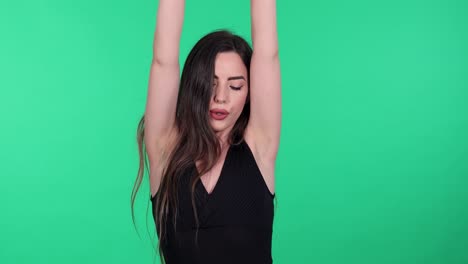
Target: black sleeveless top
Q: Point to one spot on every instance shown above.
(236, 218)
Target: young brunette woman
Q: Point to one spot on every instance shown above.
(212, 138)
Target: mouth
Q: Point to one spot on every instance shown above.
(218, 114)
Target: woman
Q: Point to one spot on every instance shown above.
(212, 139)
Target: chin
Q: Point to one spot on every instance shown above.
(218, 127)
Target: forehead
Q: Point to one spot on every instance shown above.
(229, 63)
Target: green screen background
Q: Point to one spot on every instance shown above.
(373, 160)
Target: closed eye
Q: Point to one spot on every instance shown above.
(236, 88)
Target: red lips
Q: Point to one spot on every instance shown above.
(218, 114)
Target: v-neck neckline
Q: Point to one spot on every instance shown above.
(222, 172)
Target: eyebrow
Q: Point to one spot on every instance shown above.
(233, 78)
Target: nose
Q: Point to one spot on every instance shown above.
(220, 95)
(219, 101)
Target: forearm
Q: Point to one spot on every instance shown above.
(169, 21)
(264, 31)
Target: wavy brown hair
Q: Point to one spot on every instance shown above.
(196, 139)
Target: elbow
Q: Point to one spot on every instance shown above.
(165, 61)
(271, 54)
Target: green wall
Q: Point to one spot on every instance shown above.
(373, 161)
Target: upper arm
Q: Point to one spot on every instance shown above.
(265, 104)
(160, 107)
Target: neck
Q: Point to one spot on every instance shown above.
(223, 137)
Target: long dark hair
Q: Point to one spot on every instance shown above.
(196, 139)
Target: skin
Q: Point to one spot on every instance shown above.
(226, 94)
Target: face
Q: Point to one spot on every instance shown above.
(230, 90)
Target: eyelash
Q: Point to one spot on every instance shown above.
(233, 87)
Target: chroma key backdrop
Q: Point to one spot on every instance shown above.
(373, 160)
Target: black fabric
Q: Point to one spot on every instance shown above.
(236, 218)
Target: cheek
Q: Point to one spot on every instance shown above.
(240, 104)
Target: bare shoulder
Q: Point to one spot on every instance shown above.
(160, 157)
(264, 153)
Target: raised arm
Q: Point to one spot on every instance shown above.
(164, 77)
(265, 80)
